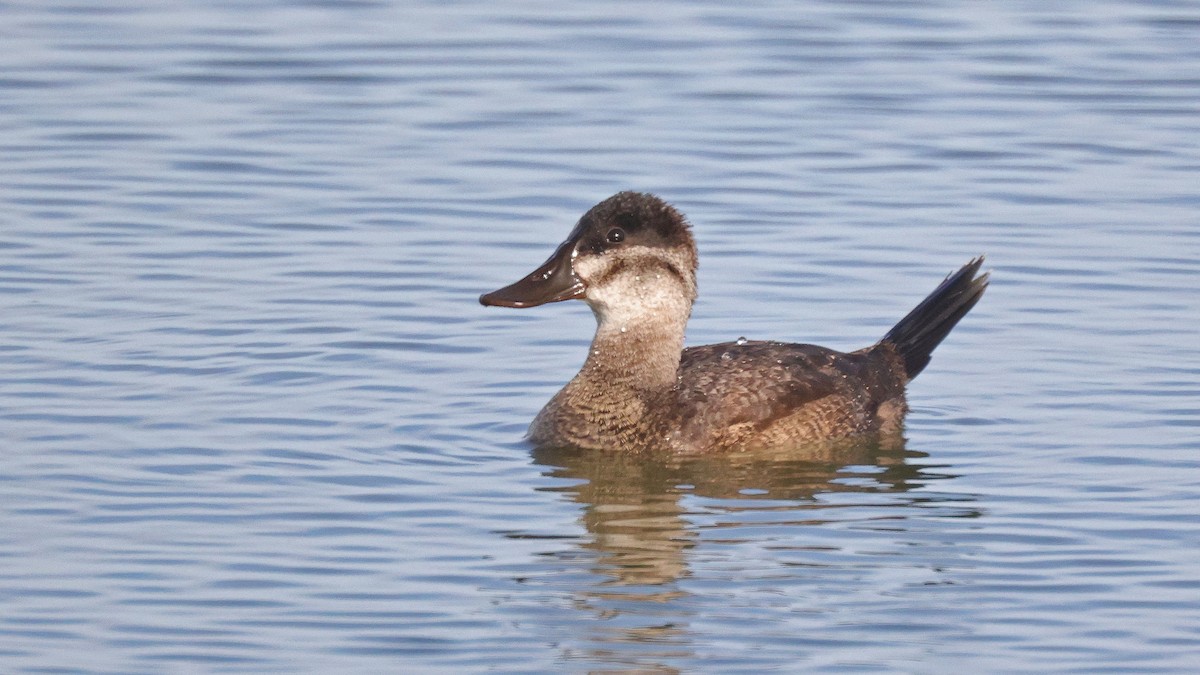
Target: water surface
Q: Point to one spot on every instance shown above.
(253, 418)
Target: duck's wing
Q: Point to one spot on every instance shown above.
(751, 384)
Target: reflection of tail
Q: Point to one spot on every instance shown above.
(917, 334)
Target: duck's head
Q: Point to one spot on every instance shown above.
(631, 251)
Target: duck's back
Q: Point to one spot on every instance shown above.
(772, 394)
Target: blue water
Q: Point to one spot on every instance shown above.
(252, 418)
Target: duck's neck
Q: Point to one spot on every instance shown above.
(619, 397)
(642, 356)
(640, 323)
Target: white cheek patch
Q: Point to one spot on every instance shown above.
(638, 286)
(627, 297)
(589, 267)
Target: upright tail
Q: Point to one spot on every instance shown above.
(917, 334)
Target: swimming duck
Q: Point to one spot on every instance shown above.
(632, 259)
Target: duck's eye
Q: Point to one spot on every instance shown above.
(616, 235)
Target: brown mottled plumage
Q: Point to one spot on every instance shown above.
(633, 260)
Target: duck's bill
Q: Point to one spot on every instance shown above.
(554, 281)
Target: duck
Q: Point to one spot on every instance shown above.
(632, 258)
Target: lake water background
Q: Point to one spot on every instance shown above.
(252, 417)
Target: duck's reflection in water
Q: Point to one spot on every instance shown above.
(645, 514)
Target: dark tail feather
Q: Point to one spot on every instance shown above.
(917, 334)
